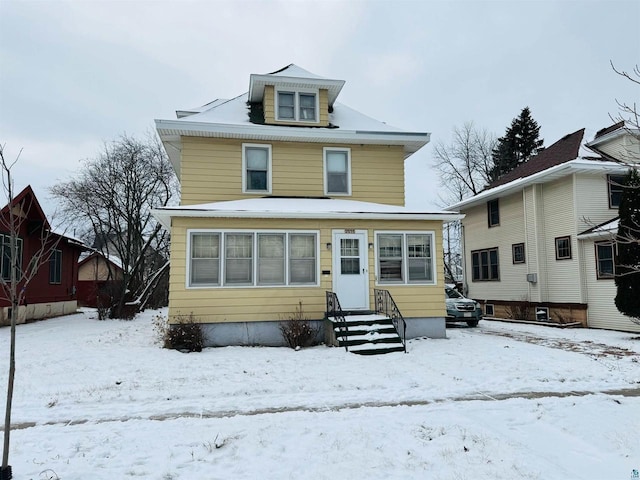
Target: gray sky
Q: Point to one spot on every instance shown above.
(76, 74)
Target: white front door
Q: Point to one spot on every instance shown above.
(350, 269)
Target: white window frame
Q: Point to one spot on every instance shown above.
(326, 171)
(244, 167)
(405, 258)
(254, 260)
(296, 104)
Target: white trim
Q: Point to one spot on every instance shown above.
(405, 275)
(325, 170)
(254, 259)
(578, 165)
(165, 214)
(335, 265)
(269, 167)
(296, 91)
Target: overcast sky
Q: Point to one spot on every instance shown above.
(76, 74)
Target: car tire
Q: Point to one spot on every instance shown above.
(472, 323)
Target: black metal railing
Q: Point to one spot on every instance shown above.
(385, 305)
(335, 310)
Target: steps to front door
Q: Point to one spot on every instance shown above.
(366, 334)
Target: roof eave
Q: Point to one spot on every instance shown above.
(550, 174)
(166, 214)
(171, 131)
(258, 82)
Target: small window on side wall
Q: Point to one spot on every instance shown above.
(493, 213)
(605, 260)
(563, 248)
(488, 309)
(616, 185)
(518, 252)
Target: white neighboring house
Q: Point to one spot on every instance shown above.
(541, 236)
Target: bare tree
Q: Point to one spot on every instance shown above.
(13, 283)
(465, 164)
(465, 167)
(628, 112)
(112, 198)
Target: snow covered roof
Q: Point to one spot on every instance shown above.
(281, 207)
(293, 76)
(232, 118)
(606, 229)
(568, 155)
(84, 257)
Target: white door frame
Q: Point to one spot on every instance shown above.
(352, 290)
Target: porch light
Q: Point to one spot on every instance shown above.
(328, 245)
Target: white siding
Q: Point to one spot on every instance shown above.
(592, 201)
(512, 284)
(562, 282)
(602, 312)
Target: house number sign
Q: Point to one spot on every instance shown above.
(349, 230)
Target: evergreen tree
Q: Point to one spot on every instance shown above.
(628, 242)
(520, 142)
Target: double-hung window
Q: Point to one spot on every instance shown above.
(517, 249)
(256, 168)
(5, 261)
(55, 267)
(297, 106)
(563, 248)
(247, 258)
(616, 186)
(238, 259)
(605, 260)
(405, 258)
(337, 171)
(205, 259)
(493, 213)
(485, 265)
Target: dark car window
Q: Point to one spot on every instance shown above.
(451, 293)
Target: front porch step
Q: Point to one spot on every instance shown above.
(368, 334)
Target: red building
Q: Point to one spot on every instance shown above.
(50, 290)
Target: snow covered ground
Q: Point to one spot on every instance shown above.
(101, 400)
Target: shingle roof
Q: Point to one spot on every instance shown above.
(564, 150)
(609, 129)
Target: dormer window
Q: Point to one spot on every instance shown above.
(297, 106)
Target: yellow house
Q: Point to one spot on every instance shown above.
(287, 195)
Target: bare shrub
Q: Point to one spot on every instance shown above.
(522, 310)
(297, 330)
(187, 334)
(161, 330)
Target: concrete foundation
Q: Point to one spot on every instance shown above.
(38, 311)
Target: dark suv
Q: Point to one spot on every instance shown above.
(460, 308)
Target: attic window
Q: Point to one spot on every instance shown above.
(298, 106)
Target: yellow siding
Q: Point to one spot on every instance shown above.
(211, 171)
(97, 269)
(269, 106)
(213, 305)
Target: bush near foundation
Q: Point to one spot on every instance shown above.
(297, 330)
